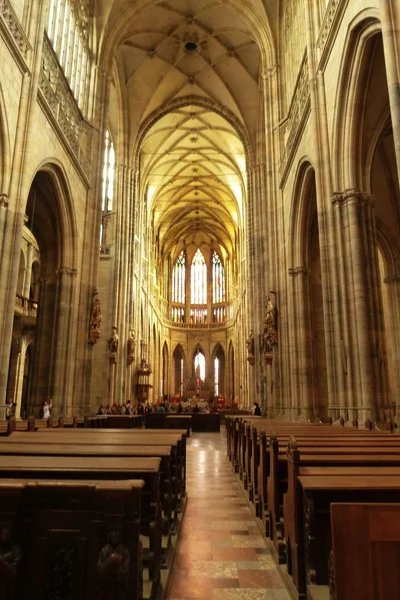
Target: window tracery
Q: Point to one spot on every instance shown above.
(198, 279)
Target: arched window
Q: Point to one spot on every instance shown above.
(200, 366)
(199, 279)
(218, 289)
(179, 279)
(218, 279)
(216, 375)
(178, 288)
(198, 286)
(107, 195)
(68, 32)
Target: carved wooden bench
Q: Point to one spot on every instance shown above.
(105, 468)
(58, 537)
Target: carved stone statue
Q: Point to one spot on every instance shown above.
(250, 347)
(113, 344)
(131, 346)
(95, 320)
(269, 335)
(10, 557)
(270, 315)
(113, 568)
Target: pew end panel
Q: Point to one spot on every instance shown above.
(365, 554)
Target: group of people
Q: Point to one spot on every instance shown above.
(164, 406)
(121, 409)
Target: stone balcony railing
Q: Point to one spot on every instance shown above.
(26, 306)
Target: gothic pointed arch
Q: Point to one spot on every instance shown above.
(347, 159)
(179, 364)
(51, 221)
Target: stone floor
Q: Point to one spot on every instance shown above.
(222, 554)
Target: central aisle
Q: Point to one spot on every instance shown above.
(222, 554)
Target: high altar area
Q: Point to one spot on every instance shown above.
(201, 198)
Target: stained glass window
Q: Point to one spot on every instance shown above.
(218, 279)
(108, 174)
(199, 279)
(200, 366)
(216, 375)
(179, 279)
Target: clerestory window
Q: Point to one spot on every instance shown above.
(68, 32)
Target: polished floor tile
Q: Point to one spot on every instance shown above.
(221, 554)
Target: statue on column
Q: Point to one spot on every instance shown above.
(113, 344)
(250, 347)
(95, 320)
(269, 335)
(131, 346)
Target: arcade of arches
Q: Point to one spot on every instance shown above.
(202, 196)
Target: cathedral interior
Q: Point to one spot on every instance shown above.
(201, 198)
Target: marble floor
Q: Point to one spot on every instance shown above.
(221, 554)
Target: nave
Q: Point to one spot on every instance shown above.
(222, 554)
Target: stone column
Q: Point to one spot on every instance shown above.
(14, 203)
(15, 360)
(63, 345)
(392, 334)
(3, 216)
(113, 345)
(333, 325)
(25, 341)
(301, 355)
(366, 379)
(390, 20)
(28, 272)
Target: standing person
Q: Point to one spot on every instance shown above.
(256, 410)
(47, 406)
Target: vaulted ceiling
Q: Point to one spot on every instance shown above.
(188, 83)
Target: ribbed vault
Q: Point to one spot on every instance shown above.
(191, 160)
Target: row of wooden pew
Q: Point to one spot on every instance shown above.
(93, 514)
(328, 499)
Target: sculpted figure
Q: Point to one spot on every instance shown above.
(270, 315)
(95, 320)
(113, 344)
(131, 346)
(113, 568)
(250, 343)
(269, 334)
(10, 557)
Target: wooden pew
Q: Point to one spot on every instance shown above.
(168, 491)
(259, 467)
(365, 551)
(293, 500)
(277, 483)
(318, 493)
(176, 438)
(58, 533)
(105, 468)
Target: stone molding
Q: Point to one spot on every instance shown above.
(329, 26)
(393, 278)
(298, 271)
(352, 196)
(295, 121)
(67, 271)
(13, 26)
